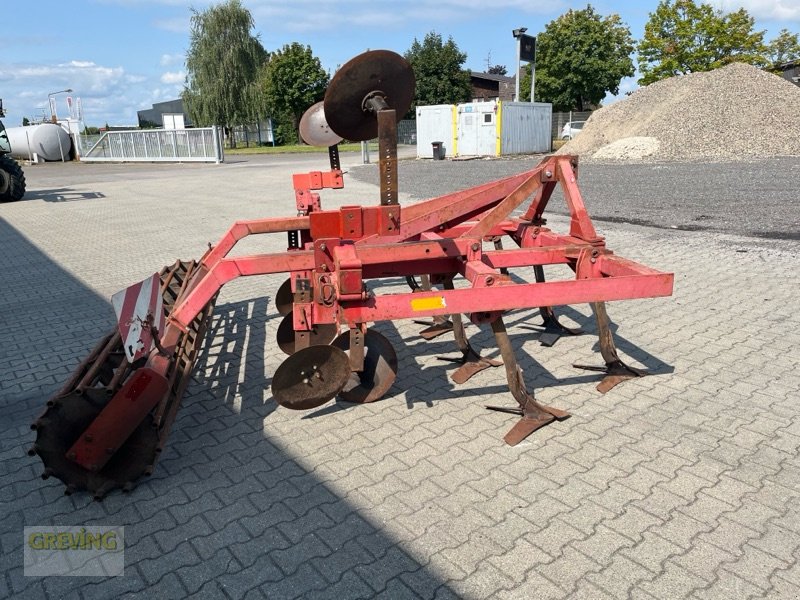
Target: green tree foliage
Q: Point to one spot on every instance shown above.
(684, 37)
(498, 70)
(580, 57)
(783, 49)
(439, 71)
(292, 81)
(222, 64)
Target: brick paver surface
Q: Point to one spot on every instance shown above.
(682, 484)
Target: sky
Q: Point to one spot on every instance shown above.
(121, 56)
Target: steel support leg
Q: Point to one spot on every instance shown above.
(551, 328)
(471, 362)
(616, 371)
(534, 415)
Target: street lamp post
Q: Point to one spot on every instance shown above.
(517, 33)
(51, 100)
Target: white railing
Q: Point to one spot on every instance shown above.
(155, 145)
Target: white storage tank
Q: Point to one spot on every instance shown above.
(47, 140)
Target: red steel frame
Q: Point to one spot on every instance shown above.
(440, 236)
(334, 252)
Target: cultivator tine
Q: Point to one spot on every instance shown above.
(471, 362)
(439, 326)
(551, 329)
(616, 371)
(534, 415)
(498, 245)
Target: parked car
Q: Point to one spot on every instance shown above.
(571, 129)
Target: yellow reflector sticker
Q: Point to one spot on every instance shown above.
(418, 304)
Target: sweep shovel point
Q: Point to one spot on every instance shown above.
(616, 372)
(524, 427)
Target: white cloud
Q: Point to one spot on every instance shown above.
(80, 64)
(106, 92)
(176, 77)
(769, 10)
(175, 25)
(172, 59)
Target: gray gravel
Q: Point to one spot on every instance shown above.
(752, 198)
(736, 112)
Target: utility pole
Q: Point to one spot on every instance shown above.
(526, 50)
(518, 33)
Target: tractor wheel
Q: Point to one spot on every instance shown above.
(12, 180)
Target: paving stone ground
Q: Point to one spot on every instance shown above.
(682, 484)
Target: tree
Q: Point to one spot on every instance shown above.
(498, 70)
(292, 81)
(222, 65)
(438, 69)
(682, 37)
(783, 49)
(25, 121)
(580, 57)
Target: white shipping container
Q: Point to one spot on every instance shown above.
(485, 128)
(525, 127)
(434, 124)
(477, 129)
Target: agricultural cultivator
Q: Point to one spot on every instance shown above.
(109, 423)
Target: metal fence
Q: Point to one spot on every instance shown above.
(407, 132)
(153, 145)
(254, 134)
(261, 134)
(562, 118)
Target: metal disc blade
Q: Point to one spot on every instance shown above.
(314, 129)
(380, 368)
(284, 299)
(375, 71)
(320, 335)
(310, 377)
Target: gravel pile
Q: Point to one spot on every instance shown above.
(735, 112)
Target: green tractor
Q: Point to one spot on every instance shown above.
(12, 179)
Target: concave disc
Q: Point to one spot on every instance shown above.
(380, 71)
(314, 129)
(320, 335)
(380, 368)
(284, 299)
(310, 377)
